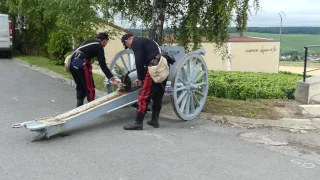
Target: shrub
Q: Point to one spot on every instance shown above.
(249, 85)
(58, 45)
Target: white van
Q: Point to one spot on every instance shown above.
(5, 35)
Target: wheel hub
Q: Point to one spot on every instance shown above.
(194, 86)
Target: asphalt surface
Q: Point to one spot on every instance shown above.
(102, 150)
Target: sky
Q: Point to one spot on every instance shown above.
(295, 13)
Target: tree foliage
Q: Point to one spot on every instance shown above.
(58, 45)
(38, 19)
(190, 20)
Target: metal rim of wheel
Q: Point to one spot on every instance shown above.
(190, 86)
(128, 64)
(122, 63)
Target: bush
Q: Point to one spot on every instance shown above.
(58, 45)
(249, 85)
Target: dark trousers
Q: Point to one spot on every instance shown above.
(84, 81)
(151, 90)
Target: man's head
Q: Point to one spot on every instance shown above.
(127, 40)
(104, 38)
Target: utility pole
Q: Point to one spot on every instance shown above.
(280, 14)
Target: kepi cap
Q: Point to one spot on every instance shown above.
(124, 38)
(103, 36)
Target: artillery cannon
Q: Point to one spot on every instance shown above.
(187, 86)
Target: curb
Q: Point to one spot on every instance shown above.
(310, 110)
(292, 125)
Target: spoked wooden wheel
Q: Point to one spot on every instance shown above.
(190, 86)
(122, 63)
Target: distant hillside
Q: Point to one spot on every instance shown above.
(271, 30)
(284, 30)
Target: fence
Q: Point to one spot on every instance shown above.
(306, 59)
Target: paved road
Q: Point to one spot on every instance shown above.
(102, 150)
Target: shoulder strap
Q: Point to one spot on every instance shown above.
(158, 46)
(86, 45)
(160, 51)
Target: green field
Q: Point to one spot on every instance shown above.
(292, 42)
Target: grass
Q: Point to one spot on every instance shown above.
(292, 42)
(259, 109)
(300, 64)
(46, 63)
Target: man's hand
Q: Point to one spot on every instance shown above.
(138, 82)
(115, 82)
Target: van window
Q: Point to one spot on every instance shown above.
(4, 26)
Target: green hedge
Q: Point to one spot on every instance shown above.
(249, 85)
(58, 45)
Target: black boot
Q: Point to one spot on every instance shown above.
(135, 105)
(154, 119)
(137, 125)
(79, 102)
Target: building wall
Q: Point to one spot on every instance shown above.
(114, 45)
(245, 56)
(255, 56)
(213, 57)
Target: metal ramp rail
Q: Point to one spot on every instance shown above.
(50, 126)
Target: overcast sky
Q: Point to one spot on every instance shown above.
(298, 13)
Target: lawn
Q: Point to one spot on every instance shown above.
(260, 109)
(46, 63)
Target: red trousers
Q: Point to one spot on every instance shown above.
(151, 90)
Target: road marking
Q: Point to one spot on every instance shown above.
(308, 165)
(304, 164)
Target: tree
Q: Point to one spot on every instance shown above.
(190, 20)
(40, 18)
(3, 7)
